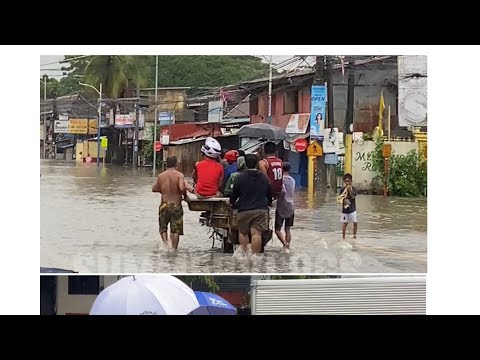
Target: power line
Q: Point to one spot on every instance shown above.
(66, 60)
(215, 89)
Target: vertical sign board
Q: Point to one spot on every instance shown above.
(317, 111)
(215, 111)
(104, 142)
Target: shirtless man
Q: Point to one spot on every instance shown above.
(171, 184)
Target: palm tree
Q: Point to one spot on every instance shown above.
(118, 74)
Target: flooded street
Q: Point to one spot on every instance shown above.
(105, 220)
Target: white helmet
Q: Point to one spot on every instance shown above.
(211, 148)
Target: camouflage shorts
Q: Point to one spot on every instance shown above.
(171, 214)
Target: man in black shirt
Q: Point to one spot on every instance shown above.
(254, 193)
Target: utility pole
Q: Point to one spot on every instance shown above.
(99, 124)
(156, 118)
(321, 170)
(135, 137)
(331, 176)
(45, 135)
(135, 133)
(329, 77)
(319, 70)
(270, 93)
(99, 92)
(349, 119)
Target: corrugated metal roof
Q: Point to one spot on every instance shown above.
(240, 110)
(186, 141)
(282, 76)
(235, 121)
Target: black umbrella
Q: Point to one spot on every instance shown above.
(262, 131)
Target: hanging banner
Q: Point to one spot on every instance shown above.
(331, 141)
(317, 113)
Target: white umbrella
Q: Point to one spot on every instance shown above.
(146, 295)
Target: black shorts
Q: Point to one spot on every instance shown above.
(279, 221)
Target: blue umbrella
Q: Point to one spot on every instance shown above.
(212, 304)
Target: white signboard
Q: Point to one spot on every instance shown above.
(215, 111)
(147, 132)
(298, 123)
(61, 126)
(412, 90)
(331, 140)
(166, 118)
(123, 120)
(165, 137)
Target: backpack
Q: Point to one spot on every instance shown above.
(230, 183)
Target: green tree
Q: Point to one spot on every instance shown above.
(407, 174)
(206, 70)
(54, 87)
(120, 75)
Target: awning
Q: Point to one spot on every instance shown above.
(186, 141)
(65, 146)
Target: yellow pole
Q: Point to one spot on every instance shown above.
(348, 154)
(389, 123)
(311, 174)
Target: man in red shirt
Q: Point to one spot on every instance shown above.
(208, 173)
(272, 166)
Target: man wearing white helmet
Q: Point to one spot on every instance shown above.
(208, 173)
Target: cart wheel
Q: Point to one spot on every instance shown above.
(227, 246)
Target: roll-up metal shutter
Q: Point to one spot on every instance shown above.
(343, 296)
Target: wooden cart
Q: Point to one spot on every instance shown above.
(218, 215)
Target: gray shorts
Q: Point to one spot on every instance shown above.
(348, 218)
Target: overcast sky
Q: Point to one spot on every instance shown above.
(50, 65)
(50, 62)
